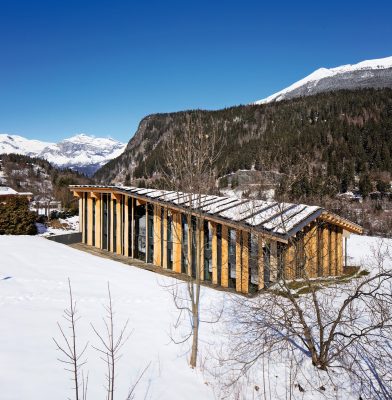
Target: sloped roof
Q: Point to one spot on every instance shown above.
(281, 220)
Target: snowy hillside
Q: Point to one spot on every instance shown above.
(370, 73)
(82, 152)
(33, 295)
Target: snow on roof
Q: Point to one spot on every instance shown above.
(278, 219)
(5, 191)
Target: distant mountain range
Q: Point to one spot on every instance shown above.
(82, 152)
(366, 74)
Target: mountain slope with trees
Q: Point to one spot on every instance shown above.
(334, 138)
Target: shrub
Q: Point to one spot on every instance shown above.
(16, 218)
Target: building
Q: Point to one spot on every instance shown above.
(238, 243)
(45, 206)
(8, 193)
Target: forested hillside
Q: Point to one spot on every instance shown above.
(334, 138)
(28, 174)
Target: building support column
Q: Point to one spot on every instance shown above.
(126, 227)
(273, 261)
(332, 252)
(289, 262)
(89, 220)
(225, 257)
(132, 227)
(325, 250)
(214, 253)
(177, 236)
(165, 242)
(98, 222)
(260, 262)
(81, 219)
(339, 250)
(157, 236)
(118, 224)
(245, 262)
(310, 245)
(238, 261)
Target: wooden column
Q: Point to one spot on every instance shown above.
(190, 244)
(157, 236)
(81, 220)
(273, 261)
(225, 257)
(245, 263)
(164, 250)
(98, 222)
(119, 221)
(147, 238)
(89, 220)
(238, 261)
(289, 262)
(111, 224)
(332, 251)
(325, 250)
(176, 233)
(339, 250)
(126, 227)
(260, 263)
(310, 247)
(201, 244)
(132, 227)
(214, 253)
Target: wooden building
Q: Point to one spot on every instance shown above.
(230, 242)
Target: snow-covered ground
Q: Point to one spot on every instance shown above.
(33, 295)
(68, 225)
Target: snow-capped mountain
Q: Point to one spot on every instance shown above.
(82, 152)
(366, 74)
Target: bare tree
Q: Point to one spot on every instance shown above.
(189, 167)
(341, 324)
(111, 344)
(71, 356)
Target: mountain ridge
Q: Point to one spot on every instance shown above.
(365, 74)
(83, 153)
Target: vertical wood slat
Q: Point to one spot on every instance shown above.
(325, 250)
(177, 236)
(157, 236)
(201, 234)
(126, 227)
(225, 257)
(332, 251)
(81, 219)
(310, 247)
(89, 220)
(214, 253)
(273, 261)
(339, 250)
(289, 262)
(260, 262)
(190, 244)
(147, 227)
(164, 250)
(111, 223)
(98, 222)
(238, 261)
(118, 225)
(245, 262)
(132, 227)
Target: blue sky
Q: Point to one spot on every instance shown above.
(100, 66)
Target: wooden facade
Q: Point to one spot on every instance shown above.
(244, 250)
